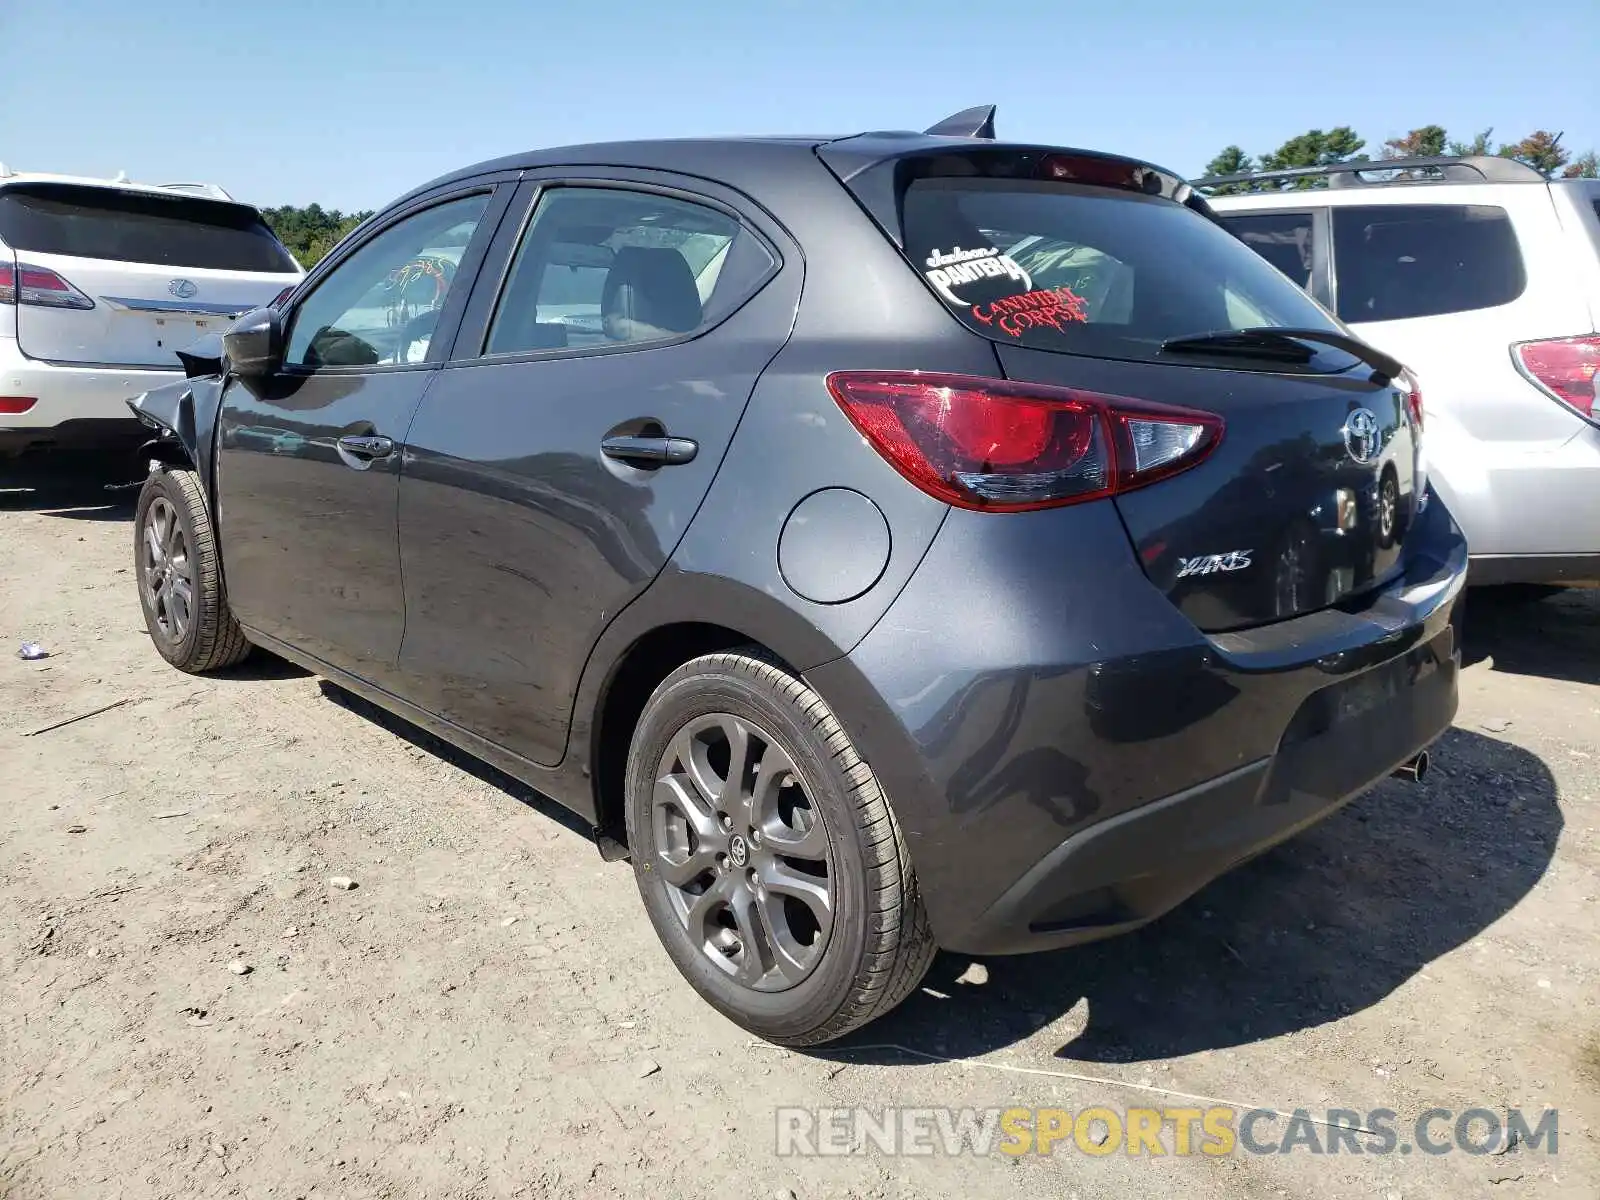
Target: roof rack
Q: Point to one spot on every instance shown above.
(1475, 168)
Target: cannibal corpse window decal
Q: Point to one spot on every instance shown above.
(980, 272)
(1055, 307)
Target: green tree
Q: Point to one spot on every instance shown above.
(1232, 161)
(1585, 166)
(1477, 147)
(1426, 142)
(312, 231)
(1541, 150)
(1315, 148)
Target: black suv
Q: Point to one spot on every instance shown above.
(886, 542)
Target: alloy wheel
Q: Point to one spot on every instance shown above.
(167, 570)
(743, 852)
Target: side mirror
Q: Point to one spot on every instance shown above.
(253, 347)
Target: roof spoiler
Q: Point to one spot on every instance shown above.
(969, 122)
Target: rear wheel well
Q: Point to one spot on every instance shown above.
(647, 662)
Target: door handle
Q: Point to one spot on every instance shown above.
(366, 446)
(650, 451)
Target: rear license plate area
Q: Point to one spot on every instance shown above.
(1369, 692)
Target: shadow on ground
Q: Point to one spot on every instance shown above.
(1325, 925)
(1554, 638)
(75, 492)
(261, 666)
(460, 759)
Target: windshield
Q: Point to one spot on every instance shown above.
(1088, 270)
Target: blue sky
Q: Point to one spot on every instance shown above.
(352, 103)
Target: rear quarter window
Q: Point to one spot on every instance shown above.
(140, 227)
(1283, 239)
(1089, 270)
(1395, 262)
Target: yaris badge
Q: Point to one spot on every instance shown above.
(1211, 564)
(1361, 437)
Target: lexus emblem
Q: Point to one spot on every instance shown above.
(183, 289)
(1361, 435)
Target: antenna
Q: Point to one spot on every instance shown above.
(5, 171)
(122, 177)
(969, 122)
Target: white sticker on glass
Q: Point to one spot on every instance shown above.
(949, 271)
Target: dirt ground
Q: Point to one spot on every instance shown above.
(488, 1014)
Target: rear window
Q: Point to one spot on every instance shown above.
(1393, 261)
(1089, 270)
(138, 227)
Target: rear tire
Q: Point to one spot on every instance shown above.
(180, 575)
(841, 936)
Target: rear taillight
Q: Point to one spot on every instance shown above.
(1564, 368)
(999, 446)
(39, 287)
(12, 405)
(1413, 397)
(277, 301)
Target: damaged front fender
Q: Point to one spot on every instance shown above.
(183, 415)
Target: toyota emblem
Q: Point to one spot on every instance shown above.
(183, 289)
(1361, 437)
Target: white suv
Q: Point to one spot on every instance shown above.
(101, 283)
(1483, 277)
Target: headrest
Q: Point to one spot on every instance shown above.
(649, 293)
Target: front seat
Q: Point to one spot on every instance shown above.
(649, 293)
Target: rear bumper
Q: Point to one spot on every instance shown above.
(102, 437)
(1516, 501)
(1535, 568)
(1116, 875)
(78, 408)
(1079, 758)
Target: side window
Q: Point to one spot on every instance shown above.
(1397, 261)
(382, 304)
(1283, 239)
(602, 267)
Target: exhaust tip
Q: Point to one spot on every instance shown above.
(1416, 770)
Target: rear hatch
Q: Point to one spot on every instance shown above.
(127, 277)
(1092, 274)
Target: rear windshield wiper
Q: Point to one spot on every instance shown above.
(1282, 343)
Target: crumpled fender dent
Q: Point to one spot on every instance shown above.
(184, 416)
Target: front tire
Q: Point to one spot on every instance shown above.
(767, 856)
(180, 575)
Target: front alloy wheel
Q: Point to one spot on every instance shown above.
(179, 575)
(167, 572)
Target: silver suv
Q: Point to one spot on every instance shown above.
(102, 282)
(1483, 277)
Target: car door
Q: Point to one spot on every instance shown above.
(307, 460)
(557, 461)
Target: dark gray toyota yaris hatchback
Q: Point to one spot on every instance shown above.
(886, 542)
